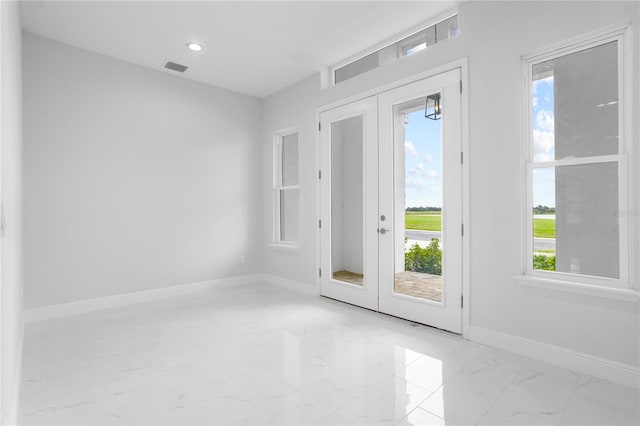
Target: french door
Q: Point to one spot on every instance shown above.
(391, 202)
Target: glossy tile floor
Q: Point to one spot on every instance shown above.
(259, 354)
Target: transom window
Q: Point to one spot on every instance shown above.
(577, 217)
(407, 46)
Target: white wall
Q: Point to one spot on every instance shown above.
(134, 179)
(11, 195)
(493, 38)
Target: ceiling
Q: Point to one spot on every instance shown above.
(252, 47)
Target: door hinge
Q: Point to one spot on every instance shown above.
(319, 126)
(461, 301)
(461, 157)
(462, 229)
(320, 223)
(320, 272)
(460, 86)
(319, 174)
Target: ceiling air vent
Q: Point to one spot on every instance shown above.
(175, 67)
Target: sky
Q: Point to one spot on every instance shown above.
(423, 153)
(423, 161)
(543, 141)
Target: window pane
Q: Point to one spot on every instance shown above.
(358, 67)
(418, 42)
(290, 160)
(447, 29)
(575, 104)
(418, 248)
(580, 219)
(544, 219)
(347, 200)
(289, 215)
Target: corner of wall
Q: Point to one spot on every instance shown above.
(11, 244)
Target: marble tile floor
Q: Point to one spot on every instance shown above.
(259, 354)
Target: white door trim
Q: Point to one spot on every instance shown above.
(463, 64)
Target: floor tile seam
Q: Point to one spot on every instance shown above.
(423, 401)
(492, 404)
(353, 398)
(335, 411)
(329, 415)
(420, 386)
(375, 385)
(516, 371)
(508, 385)
(571, 398)
(524, 365)
(444, 383)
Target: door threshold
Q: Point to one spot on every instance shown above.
(404, 320)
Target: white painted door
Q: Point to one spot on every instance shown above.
(349, 203)
(381, 158)
(420, 202)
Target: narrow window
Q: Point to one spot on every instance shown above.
(407, 46)
(576, 165)
(286, 188)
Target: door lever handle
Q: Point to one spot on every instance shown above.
(383, 230)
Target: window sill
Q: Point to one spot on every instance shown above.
(284, 247)
(622, 294)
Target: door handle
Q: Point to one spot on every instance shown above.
(383, 230)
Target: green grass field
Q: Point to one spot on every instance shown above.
(544, 228)
(423, 221)
(432, 221)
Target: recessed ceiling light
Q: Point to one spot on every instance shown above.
(196, 47)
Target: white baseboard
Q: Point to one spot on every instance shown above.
(84, 306)
(12, 415)
(290, 284)
(567, 358)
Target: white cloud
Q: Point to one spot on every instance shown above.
(543, 145)
(416, 182)
(411, 148)
(420, 171)
(536, 83)
(535, 101)
(429, 158)
(545, 120)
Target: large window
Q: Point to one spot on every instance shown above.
(577, 194)
(286, 188)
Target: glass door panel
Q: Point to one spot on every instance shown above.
(347, 198)
(418, 202)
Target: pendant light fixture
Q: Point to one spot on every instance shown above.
(432, 109)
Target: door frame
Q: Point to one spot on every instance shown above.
(463, 65)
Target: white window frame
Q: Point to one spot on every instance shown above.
(625, 287)
(277, 242)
